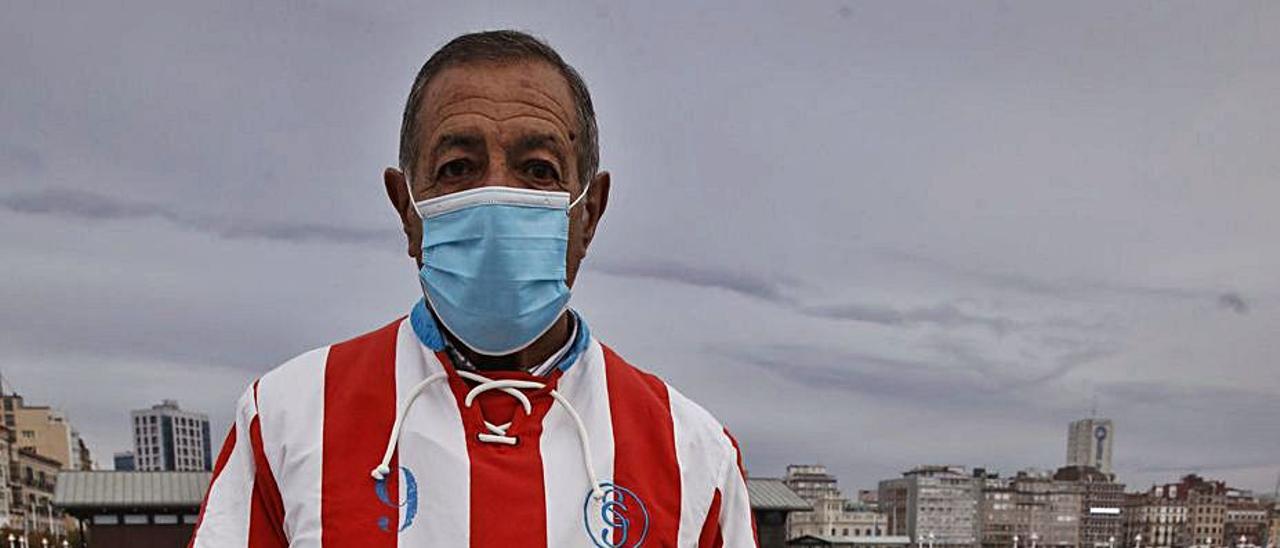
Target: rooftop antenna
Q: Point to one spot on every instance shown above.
(1093, 409)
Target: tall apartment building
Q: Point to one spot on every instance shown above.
(165, 437)
(933, 505)
(1089, 443)
(1155, 519)
(832, 515)
(1029, 508)
(1101, 505)
(45, 431)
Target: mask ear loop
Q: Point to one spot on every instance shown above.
(408, 187)
(585, 189)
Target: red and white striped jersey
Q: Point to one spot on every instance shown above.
(475, 464)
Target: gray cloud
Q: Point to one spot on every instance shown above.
(958, 376)
(741, 282)
(943, 315)
(870, 376)
(1233, 302)
(20, 160)
(1064, 288)
(782, 293)
(1117, 189)
(85, 205)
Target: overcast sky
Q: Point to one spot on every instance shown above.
(868, 235)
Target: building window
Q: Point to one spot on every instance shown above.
(106, 519)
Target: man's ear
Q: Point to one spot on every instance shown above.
(398, 193)
(594, 205)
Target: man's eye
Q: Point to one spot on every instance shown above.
(454, 169)
(542, 172)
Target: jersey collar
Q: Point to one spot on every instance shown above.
(428, 333)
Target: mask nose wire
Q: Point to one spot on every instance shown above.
(497, 432)
(409, 189)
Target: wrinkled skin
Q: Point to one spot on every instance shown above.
(509, 124)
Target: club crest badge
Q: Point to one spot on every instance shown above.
(619, 520)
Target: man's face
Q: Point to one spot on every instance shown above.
(510, 124)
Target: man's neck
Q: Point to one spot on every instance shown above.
(529, 357)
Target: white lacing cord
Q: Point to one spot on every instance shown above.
(497, 432)
(384, 468)
(596, 490)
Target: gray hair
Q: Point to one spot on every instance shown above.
(501, 46)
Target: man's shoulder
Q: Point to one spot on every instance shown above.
(633, 387)
(298, 380)
(378, 341)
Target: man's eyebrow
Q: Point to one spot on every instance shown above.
(467, 141)
(540, 141)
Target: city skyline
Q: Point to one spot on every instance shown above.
(104, 458)
(871, 235)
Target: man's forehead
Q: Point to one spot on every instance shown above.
(509, 87)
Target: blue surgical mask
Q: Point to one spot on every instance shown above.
(494, 264)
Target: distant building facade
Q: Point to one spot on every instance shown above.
(1089, 443)
(1031, 506)
(6, 492)
(123, 461)
(133, 509)
(1273, 532)
(45, 431)
(935, 505)
(1102, 500)
(165, 437)
(36, 444)
(32, 480)
(811, 481)
(1206, 510)
(1155, 519)
(832, 516)
(771, 504)
(81, 452)
(849, 542)
(1247, 519)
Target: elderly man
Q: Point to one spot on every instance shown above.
(489, 416)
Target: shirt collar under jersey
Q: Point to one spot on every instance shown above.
(424, 326)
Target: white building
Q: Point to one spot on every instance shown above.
(1089, 443)
(167, 438)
